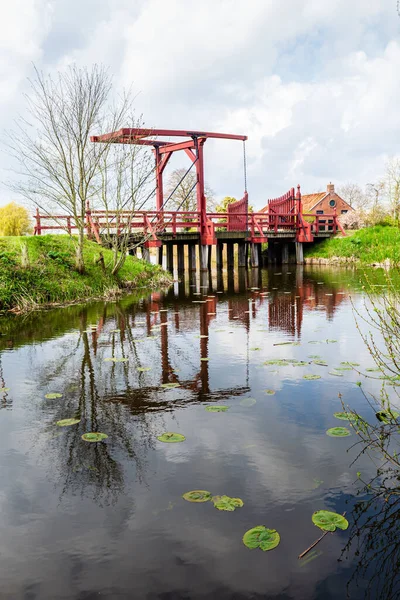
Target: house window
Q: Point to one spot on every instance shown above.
(332, 203)
(320, 212)
(344, 212)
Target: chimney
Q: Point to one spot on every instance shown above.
(330, 188)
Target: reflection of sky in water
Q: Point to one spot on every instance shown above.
(80, 519)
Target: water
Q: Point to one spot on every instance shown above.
(107, 520)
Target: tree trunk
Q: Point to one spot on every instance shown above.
(80, 264)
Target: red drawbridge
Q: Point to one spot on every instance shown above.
(282, 220)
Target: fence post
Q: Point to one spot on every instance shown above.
(38, 224)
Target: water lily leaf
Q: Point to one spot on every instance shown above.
(336, 373)
(226, 503)
(270, 392)
(248, 402)
(351, 364)
(171, 437)
(94, 436)
(197, 496)
(320, 363)
(373, 369)
(329, 521)
(343, 368)
(217, 408)
(254, 349)
(143, 369)
(345, 416)
(311, 377)
(385, 416)
(4, 389)
(116, 360)
(338, 432)
(67, 422)
(331, 341)
(53, 395)
(317, 483)
(261, 537)
(287, 344)
(169, 386)
(315, 356)
(205, 359)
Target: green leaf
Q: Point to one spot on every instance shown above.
(261, 537)
(320, 363)
(254, 349)
(204, 359)
(116, 360)
(344, 416)
(197, 496)
(351, 364)
(143, 369)
(338, 432)
(217, 408)
(329, 521)
(335, 373)
(67, 422)
(226, 503)
(4, 389)
(169, 386)
(94, 436)
(248, 402)
(270, 392)
(171, 437)
(287, 344)
(53, 395)
(311, 377)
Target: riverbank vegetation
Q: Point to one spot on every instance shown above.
(41, 270)
(373, 245)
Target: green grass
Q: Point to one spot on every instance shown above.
(51, 277)
(368, 246)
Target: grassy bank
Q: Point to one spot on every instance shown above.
(44, 274)
(367, 246)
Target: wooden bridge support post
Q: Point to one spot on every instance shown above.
(209, 258)
(219, 250)
(299, 253)
(285, 254)
(146, 254)
(170, 258)
(160, 255)
(181, 258)
(230, 262)
(192, 257)
(254, 255)
(203, 252)
(242, 254)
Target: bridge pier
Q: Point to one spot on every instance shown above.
(254, 255)
(160, 255)
(299, 253)
(203, 254)
(285, 254)
(170, 258)
(181, 258)
(209, 258)
(192, 257)
(219, 251)
(146, 254)
(230, 257)
(242, 254)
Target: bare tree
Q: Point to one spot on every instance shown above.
(377, 211)
(392, 187)
(58, 165)
(354, 195)
(182, 190)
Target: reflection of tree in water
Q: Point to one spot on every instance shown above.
(374, 537)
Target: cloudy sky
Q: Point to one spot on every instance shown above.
(315, 85)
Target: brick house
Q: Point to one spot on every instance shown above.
(324, 203)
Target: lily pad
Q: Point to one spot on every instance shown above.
(197, 496)
(67, 422)
(373, 370)
(335, 373)
(94, 436)
(217, 408)
(205, 359)
(270, 392)
(4, 389)
(261, 537)
(311, 377)
(287, 344)
(248, 402)
(169, 386)
(331, 341)
(385, 416)
(338, 432)
(320, 363)
(343, 368)
(116, 360)
(351, 364)
(254, 349)
(143, 369)
(343, 416)
(329, 521)
(227, 503)
(315, 356)
(171, 438)
(53, 395)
